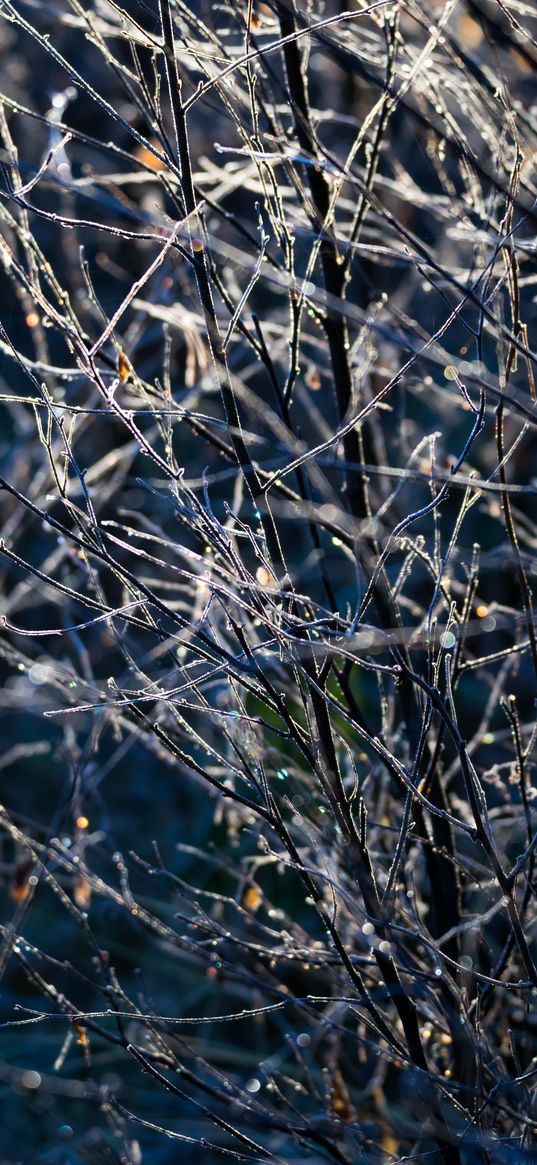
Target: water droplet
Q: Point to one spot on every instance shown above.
(30, 1079)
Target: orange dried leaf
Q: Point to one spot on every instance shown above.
(251, 898)
(82, 892)
(124, 367)
(21, 886)
(340, 1101)
(389, 1143)
(147, 157)
(313, 380)
(19, 892)
(81, 1035)
(470, 31)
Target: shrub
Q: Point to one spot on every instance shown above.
(268, 646)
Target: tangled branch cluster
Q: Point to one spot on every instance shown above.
(267, 639)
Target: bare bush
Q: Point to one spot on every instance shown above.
(268, 646)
